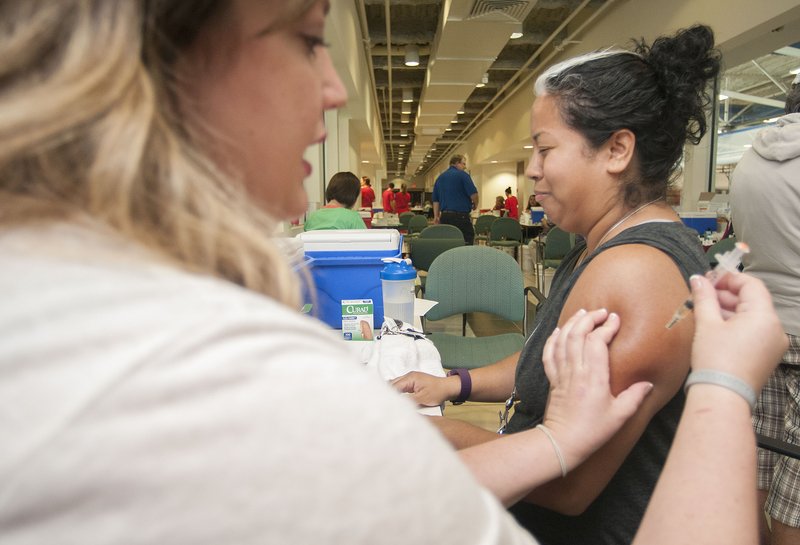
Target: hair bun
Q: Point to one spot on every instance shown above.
(683, 65)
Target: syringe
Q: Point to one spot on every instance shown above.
(727, 262)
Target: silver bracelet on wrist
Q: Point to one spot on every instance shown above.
(726, 380)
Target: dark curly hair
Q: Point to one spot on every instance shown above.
(659, 92)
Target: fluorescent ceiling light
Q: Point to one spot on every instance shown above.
(723, 97)
(408, 95)
(515, 35)
(412, 55)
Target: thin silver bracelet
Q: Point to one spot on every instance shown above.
(559, 455)
(726, 380)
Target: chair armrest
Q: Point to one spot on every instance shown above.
(776, 445)
(540, 298)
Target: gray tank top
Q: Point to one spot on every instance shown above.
(614, 516)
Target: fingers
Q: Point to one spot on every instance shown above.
(404, 384)
(629, 401)
(706, 304)
(566, 347)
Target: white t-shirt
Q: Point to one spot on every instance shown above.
(143, 404)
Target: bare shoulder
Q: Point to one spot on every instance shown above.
(644, 286)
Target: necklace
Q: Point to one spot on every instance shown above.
(625, 217)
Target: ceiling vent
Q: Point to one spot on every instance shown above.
(517, 9)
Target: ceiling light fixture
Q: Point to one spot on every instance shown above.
(516, 35)
(404, 119)
(405, 109)
(412, 55)
(529, 146)
(460, 112)
(484, 80)
(408, 95)
(723, 97)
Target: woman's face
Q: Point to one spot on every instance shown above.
(570, 179)
(261, 88)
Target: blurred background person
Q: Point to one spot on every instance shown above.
(500, 205)
(402, 200)
(388, 199)
(341, 195)
(367, 193)
(454, 197)
(512, 205)
(765, 200)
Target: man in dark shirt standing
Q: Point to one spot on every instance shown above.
(454, 197)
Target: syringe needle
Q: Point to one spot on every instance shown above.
(727, 262)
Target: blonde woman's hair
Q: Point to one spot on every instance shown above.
(89, 130)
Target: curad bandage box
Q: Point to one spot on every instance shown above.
(357, 323)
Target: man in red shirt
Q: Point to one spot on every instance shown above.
(388, 198)
(367, 193)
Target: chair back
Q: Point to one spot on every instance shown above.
(505, 229)
(442, 231)
(425, 250)
(475, 279)
(720, 247)
(405, 218)
(417, 223)
(483, 224)
(558, 244)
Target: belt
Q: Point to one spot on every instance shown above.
(455, 212)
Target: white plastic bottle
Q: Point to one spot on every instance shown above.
(397, 284)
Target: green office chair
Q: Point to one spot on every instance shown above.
(405, 219)
(556, 246)
(416, 224)
(425, 250)
(475, 279)
(506, 233)
(483, 226)
(442, 231)
(720, 247)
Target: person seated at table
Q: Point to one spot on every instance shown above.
(341, 194)
(608, 131)
(499, 204)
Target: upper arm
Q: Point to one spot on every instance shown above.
(644, 287)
